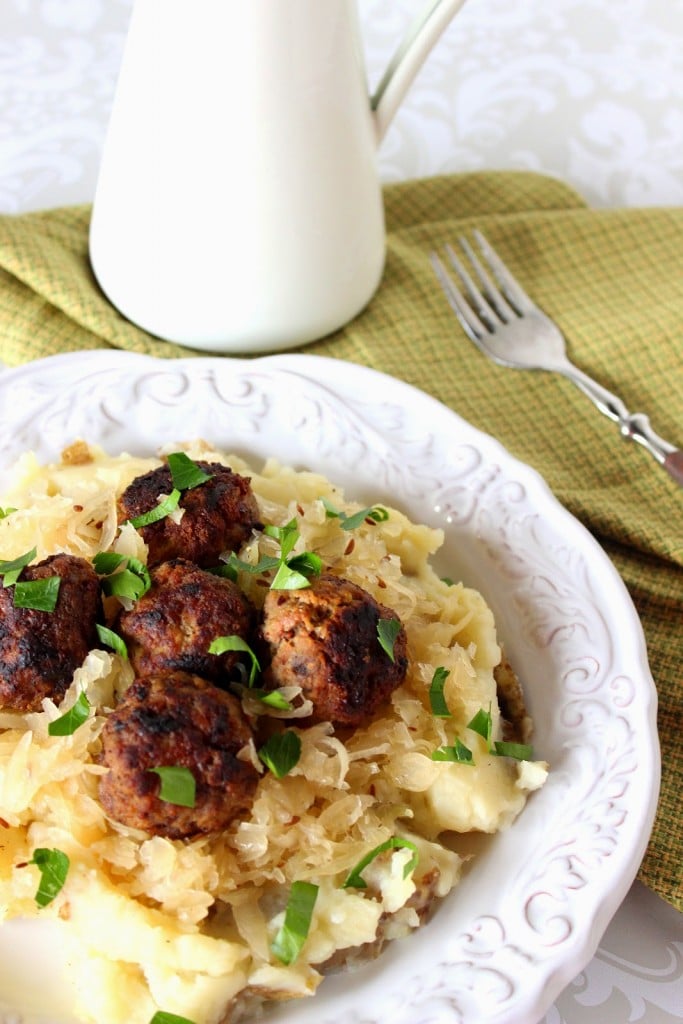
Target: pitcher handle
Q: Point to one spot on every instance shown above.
(418, 40)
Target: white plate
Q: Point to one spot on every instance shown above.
(530, 914)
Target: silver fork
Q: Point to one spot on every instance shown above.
(504, 323)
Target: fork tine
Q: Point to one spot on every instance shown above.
(469, 320)
(483, 309)
(512, 289)
(495, 297)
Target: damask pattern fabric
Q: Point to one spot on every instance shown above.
(613, 280)
(586, 91)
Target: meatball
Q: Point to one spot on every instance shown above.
(323, 638)
(172, 625)
(219, 515)
(40, 650)
(176, 719)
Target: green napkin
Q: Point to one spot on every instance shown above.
(612, 279)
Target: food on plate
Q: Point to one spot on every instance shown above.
(173, 624)
(216, 517)
(273, 744)
(178, 721)
(40, 651)
(323, 638)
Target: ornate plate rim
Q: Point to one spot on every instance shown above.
(502, 956)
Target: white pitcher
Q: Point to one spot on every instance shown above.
(238, 207)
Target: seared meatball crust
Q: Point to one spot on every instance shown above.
(176, 719)
(172, 626)
(323, 638)
(40, 650)
(219, 514)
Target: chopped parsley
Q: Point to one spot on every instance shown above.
(168, 504)
(520, 751)
(281, 752)
(437, 700)
(222, 644)
(458, 753)
(291, 572)
(41, 595)
(482, 724)
(376, 513)
(54, 867)
(387, 631)
(10, 570)
(293, 933)
(161, 1017)
(123, 576)
(178, 785)
(289, 577)
(185, 473)
(355, 880)
(112, 640)
(234, 565)
(273, 698)
(67, 723)
(286, 536)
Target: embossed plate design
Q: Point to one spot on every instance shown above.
(531, 911)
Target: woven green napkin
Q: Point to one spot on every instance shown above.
(613, 280)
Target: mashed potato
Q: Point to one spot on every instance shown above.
(187, 926)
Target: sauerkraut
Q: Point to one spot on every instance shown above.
(187, 926)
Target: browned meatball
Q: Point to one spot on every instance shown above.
(180, 720)
(323, 638)
(40, 650)
(172, 626)
(219, 514)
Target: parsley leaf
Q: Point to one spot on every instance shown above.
(291, 937)
(293, 571)
(458, 754)
(41, 594)
(67, 723)
(387, 631)
(273, 698)
(437, 699)
(111, 639)
(222, 644)
(350, 522)
(286, 536)
(233, 565)
(281, 752)
(54, 867)
(11, 569)
(185, 473)
(132, 581)
(482, 724)
(288, 579)
(354, 878)
(178, 785)
(520, 751)
(160, 511)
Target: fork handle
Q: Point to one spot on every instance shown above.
(633, 425)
